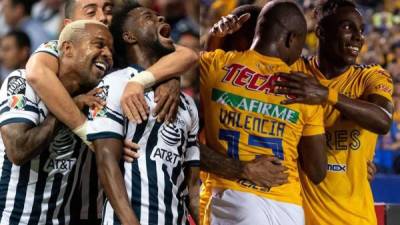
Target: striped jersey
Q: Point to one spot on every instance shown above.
(39, 191)
(155, 182)
(88, 197)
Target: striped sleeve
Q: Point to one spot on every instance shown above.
(192, 154)
(108, 122)
(18, 101)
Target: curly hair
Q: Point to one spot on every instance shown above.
(120, 16)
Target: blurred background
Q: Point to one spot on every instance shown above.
(25, 24)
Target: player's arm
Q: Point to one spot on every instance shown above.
(24, 141)
(263, 171)
(312, 156)
(41, 74)
(193, 183)
(108, 154)
(167, 67)
(373, 114)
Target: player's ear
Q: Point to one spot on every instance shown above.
(67, 48)
(290, 39)
(129, 38)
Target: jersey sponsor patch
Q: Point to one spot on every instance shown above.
(16, 86)
(339, 168)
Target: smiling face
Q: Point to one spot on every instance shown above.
(343, 37)
(92, 55)
(150, 30)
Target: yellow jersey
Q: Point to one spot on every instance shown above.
(244, 118)
(344, 197)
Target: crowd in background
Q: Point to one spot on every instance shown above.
(25, 24)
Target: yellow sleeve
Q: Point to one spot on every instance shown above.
(314, 121)
(209, 62)
(379, 82)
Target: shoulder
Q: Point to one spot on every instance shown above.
(372, 70)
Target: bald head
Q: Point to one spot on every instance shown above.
(278, 18)
(280, 31)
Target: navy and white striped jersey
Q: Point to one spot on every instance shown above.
(88, 196)
(38, 192)
(155, 181)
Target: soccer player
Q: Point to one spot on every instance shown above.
(153, 188)
(358, 107)
(362, 110)
(246, 120)
(39, 155)
(42, 68)
(41, 74)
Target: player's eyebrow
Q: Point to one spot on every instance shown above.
(91, 5)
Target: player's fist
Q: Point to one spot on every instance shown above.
(228, 25)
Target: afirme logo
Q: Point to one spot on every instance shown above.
(337, 167)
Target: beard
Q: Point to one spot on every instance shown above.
(159, 49)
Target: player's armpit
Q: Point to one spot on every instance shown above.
(24, 142)
(108, 154)
(313, 157)
(41, 74)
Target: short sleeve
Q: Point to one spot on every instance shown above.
(50, 47)
(379, 82)
(107, 122)
(314, 121)
(210, 62)
(19, 103)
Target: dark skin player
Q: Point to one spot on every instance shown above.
(334, 58)
(144, 46)
(285, 43)
(78, 74)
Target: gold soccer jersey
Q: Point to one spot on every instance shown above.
(344, 197)
(244, 119)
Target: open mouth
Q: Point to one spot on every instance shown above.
(102, 66)
(354, 50)
(165, 31)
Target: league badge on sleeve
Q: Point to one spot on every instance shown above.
(16, 88)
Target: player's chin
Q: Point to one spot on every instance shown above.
(167, 43)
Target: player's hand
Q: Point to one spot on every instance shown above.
(133, 104)
(371, 168)
(131, 151)
(90, 99)
(167, 98)
(303, 89)
(265, 172)
(228, 25)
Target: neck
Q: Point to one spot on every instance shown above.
(266, 48)
(69, 78)
(143, 57)
(328, 66)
